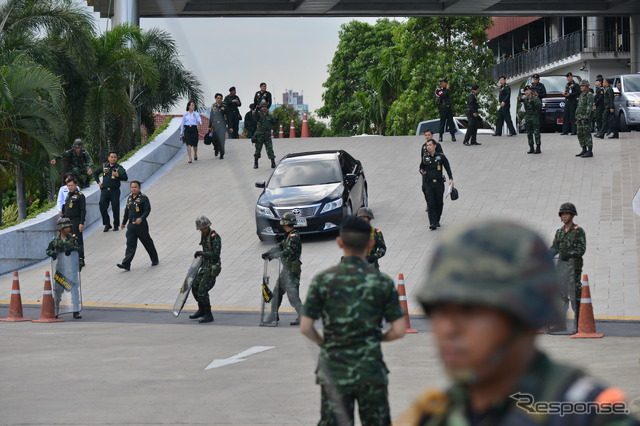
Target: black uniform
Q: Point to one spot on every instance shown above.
(504, 113)
(233, 114)
(444, 102)
(609, 120)
(250, 123)
(110, 191)
(598, 100)
(262, 96)
(472, 129)
(138, 207)
(75, 209)
(539, 90)
(433, 183)
(570, 105)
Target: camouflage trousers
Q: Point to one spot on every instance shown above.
(584, 134)
(337, 404)
(533, 131)
(81, 175)
(261, 139)
(203, 283)
(289, 283)
(571, 286)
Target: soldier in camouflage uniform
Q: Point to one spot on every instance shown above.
(583, 120)
(569, 243)
(532, 108)
(264, 124)
(379, 248)
(490, 286)
(78, 162)
(288, 251)
(65, 242)
(209, 270)
(352, 299)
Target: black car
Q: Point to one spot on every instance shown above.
(552, 113)
(319, 187)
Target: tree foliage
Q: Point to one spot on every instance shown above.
(396, 90)
(285, 113)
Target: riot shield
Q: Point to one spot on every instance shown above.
(269, 294)
(67, 294)
(186, 286)
(566, 275)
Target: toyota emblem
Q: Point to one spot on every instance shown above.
(296, 212)
(561, 104)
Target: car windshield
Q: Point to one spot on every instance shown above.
(632, 83)
(555, 83)
(302, 173)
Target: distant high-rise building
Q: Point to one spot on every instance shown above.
(295, 100)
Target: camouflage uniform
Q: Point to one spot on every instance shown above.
(288, 251)
(521, 282)
(264, 124)
(59, 245)
(532, 108)
(78, 165)
(583, 119)
(378, 250)
(352, 298)
(209, 270)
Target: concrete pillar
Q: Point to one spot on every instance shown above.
(635, 43)
(555, 28)
(594, 34)
(125, 12)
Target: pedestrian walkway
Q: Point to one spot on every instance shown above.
(496, 180)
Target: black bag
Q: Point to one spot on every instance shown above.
(454, 194)
(208, 138)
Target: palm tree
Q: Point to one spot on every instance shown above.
(30, 120)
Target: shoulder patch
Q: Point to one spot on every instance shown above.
(213, 234)
(378, 230)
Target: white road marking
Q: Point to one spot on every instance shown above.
(238, 357)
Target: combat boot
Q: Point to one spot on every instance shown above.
(197, 314)
(453, 138)
(538, 151)
(580, 154)
(271, 318)
(273, 163)
(589, 153)
(207, 317)
(295, 322)
(255, 163)
(531, 151)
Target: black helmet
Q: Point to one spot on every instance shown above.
(568, 208)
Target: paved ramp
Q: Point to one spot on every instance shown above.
(496, 180)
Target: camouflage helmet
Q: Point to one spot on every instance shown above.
(63, 222)
(78, 143)
(584, 82)
(365, 212)
(288, 219)
(263, 103)
(202, 222)
(501, 265)
(567, 208)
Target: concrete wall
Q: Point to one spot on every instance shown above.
(25, 243)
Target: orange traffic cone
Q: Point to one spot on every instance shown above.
(586, 322)
(292, 130)
(48, 313)
(15, 307)
(403, 302)
(305, 126)
(281, 133)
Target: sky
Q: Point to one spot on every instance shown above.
(286, 53)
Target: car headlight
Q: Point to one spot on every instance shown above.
(264, 211)
(332, 205)
(633, 104)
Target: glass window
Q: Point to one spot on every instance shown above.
(631, 83)
(302, 173)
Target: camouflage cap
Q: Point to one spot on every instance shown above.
(584, 82)
(497, 264)
(365, 212)
(568, 208)
(63, 222)
(78, 143)
(288, 219)
(202, 222)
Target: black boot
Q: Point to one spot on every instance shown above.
(583, 152)
(76, 315)
(222, 156)
(255, 163)
(207, 317)
(296, 322)
(440, 138)
(197, 314)
(273, 163)
(531, 151)
(453, 138)
(589, 152)
(271, 318)
(538, 151)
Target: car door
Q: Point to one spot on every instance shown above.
(351, 166)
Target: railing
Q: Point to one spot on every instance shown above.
(587, 41)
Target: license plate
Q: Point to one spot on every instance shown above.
(560, 121)
(301, 221)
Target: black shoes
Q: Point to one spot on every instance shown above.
(295, 322)
(255, 163)
(475, 143)
(582, 153)
(589, 152)
(440, 138)
(531, 150)
(538, 151)
(106, 228)
(222, 156)
(510, 134)
(208, 317)
(612, 137)
(76, 315)
(123, 266)
(215, 152)
(465, 143)
(432, 227)
(155, 263)
(453, 138)
(437, 225)
(197, 314)
(271, 318)
(598, 137)
(273, 163)
(495, 134)
(563, 133)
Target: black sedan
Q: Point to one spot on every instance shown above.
(319, 187)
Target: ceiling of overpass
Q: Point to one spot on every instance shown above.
(361, 8)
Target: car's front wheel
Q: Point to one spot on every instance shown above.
(624, 127)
